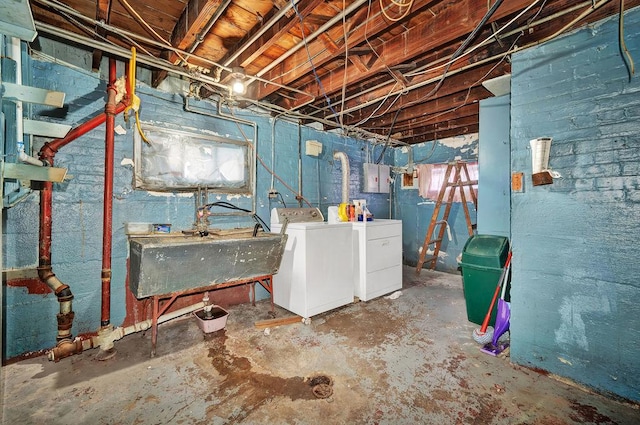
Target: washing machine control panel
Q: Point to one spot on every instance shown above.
(295, 215)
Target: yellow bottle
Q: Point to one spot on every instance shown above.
(343, 212)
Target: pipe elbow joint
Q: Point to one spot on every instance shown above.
(47, 153)
(64, 293)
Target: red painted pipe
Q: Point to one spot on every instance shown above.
(47, 154)
(107, 232)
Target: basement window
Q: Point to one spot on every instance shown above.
(431, 179)
(182, 161)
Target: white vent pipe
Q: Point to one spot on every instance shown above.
(344, 160)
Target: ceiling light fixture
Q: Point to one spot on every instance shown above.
(237, 80)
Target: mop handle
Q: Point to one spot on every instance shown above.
(485, 323)
(506, 276)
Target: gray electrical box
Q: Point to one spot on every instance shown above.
(377, 178)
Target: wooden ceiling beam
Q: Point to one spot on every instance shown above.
(272, 35)
(443, 134)
(439, 127)
(428, 108)
(103, 14)
(414, 121)
(415, 41)
(358, 34)
(450, 85)
(188, 29)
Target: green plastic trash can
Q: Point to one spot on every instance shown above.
(483, 258)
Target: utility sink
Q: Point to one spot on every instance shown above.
(165, 263)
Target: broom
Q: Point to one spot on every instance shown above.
(485, 335)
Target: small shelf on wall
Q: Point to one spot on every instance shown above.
(33, 172)
(16, 19)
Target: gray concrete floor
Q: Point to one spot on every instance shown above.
(411, 360)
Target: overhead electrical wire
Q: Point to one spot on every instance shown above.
(373, 50)
(405, 89)
(92, 32)
(313, 67)
(139, 19)
(471, 86)
(513, 49)
(628, 60)
(432, 66)
(55, 4)
(382, 102)
(457, 53)
(346, 61)
(460, 54)
(483, 43)
(269, 170)
(400, 5)
(355, 29)
(452, 59)
(148, 27)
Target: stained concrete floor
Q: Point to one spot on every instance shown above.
(409, 360)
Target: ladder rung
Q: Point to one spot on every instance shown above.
(430, 259)
(466, 183)
(434, 241)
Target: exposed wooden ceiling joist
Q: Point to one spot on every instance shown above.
(103, 13)
(382, 77)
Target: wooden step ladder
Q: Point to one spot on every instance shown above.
(460, 180)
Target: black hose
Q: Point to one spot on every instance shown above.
(224, 204)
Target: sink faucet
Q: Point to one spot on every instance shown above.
(202, 214)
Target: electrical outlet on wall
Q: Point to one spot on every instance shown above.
(517, 182)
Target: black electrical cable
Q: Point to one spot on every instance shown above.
(282, 199)
(455, 55)
(224, 204)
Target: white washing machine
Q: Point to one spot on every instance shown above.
(316, 272)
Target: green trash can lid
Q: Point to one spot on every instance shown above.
(486, 251)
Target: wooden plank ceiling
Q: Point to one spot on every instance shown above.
(408, 70)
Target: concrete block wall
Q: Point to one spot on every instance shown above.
(77, 204)
(575, 286)
(415, 211)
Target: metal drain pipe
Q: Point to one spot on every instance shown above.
(109, 140)
(65, 345)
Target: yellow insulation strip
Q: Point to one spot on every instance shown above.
(135, 100)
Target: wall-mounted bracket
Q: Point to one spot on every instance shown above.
(33, 172)
(47, 129)
(541, 178)
(11, 91)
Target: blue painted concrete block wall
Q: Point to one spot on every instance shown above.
(575, 287)
(415, 211)
(77, 204)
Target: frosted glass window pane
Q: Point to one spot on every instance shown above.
(176, 160)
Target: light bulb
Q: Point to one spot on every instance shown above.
(238, 87)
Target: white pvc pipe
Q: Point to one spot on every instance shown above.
(105, 342)
(146, 324)
(23, 157)
(16, 55)
(344, 160)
